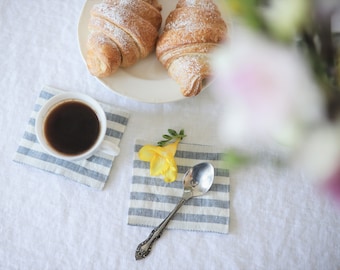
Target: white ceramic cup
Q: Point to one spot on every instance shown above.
(99, 144)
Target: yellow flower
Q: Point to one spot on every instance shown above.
(162, 161)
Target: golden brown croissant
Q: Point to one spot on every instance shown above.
(121, 33)
(190, 33)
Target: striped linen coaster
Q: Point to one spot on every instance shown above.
(151, 199)
(93, 171)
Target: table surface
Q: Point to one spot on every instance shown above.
(279, 220)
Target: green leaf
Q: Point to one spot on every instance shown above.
(162, 143)
(236, 160)
(172, 132)
(173, 135)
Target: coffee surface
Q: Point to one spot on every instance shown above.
(71, 127)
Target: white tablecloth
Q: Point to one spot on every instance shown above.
(278, 220)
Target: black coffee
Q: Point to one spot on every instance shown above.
(71, 127)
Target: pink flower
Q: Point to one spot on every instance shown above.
(267, 90)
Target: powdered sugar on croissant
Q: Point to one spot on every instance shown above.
(121, 33)
(190, 33)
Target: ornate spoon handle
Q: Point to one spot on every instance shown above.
(144, 248)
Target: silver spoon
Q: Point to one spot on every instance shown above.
(197, 181)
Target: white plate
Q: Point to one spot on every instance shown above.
(147, 80)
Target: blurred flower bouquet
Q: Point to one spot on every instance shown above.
(278, 79)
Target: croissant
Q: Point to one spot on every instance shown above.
(121, 33)
(190, 33)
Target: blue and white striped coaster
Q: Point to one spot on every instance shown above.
(93, 171)
(151, 199)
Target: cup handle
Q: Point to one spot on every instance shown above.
(110, 148)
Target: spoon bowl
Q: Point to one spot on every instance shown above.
(196, 182)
